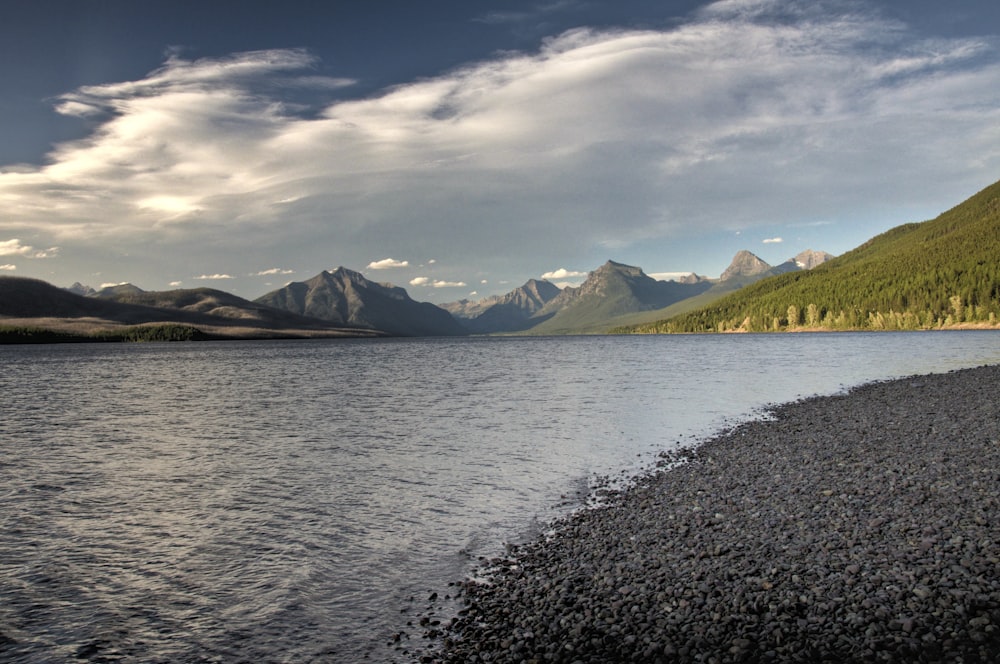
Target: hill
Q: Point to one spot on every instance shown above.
(211, 302)
(938, 273)
(37, 310)
(345, 297)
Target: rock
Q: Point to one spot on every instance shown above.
(819, 534)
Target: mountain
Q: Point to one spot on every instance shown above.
(744, 264)
(747, 268)
(938, 273)
(208, 301)
(32, 303)
(466, 309)
(80, 289)
(117, 292)
(505, 313)
(347, 298)
(610, 291)
(809, 259)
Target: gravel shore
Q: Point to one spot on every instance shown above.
(862, 527)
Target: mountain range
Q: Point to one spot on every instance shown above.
(34, 308)
(345, 303)
(938, 273)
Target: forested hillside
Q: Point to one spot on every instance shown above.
(939, 273)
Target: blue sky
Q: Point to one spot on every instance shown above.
(459, 148)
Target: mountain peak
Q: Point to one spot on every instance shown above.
(744, 264)
(809, 259)
(346, 297)
(111, 292)
(504, 313)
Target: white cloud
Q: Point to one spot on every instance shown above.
(563, 273)
(272, 271)
(669, 276)
(213, 277)
(387, 264)
(436, 283)
(14, 248)
(112, 284)
(8, 267)
(773, 240)
(175, 284)
(623, 139)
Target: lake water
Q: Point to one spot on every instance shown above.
(282, 501)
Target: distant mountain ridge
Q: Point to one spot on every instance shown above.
(612, 290)
(512, 312)
(346, 297)
(208, 301)
(610, 294)
(35, 303)
(613, 294)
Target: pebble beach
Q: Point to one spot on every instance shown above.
(860, 527)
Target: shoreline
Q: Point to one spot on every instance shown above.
(861, 526)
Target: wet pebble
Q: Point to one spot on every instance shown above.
(857, 527)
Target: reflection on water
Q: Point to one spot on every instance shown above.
(282, 500)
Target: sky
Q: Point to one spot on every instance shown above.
(458, 148)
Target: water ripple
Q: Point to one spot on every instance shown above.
(282, 501)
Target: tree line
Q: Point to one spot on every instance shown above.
(26, 334)
(936, 274)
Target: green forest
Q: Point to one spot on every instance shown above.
(936, 274)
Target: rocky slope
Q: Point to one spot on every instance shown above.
(614, 289)
(511, 312)
(346, 297)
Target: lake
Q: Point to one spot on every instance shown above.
(284, 501)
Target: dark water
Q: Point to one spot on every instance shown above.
(282, 501)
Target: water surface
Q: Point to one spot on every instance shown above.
(282, 501)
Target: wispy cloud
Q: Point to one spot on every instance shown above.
(436, 283)
(8, 267)
(622, 138)
(669, 276)
(531, 14)
(272, 271)
(213, 277)
(773, 240)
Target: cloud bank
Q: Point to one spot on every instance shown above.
(752, 113)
